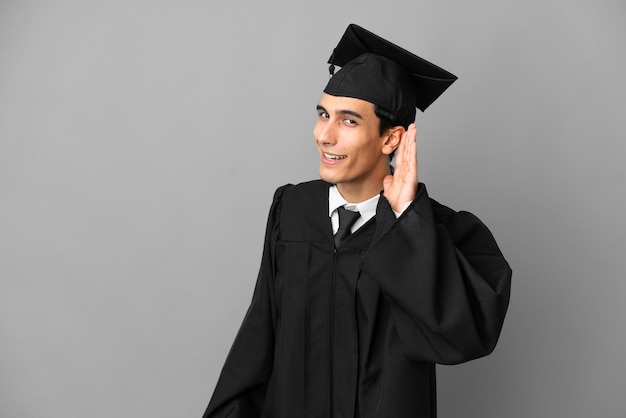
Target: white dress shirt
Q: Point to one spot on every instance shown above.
(367, 209)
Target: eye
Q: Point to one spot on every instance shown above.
(323, 115)
(350, 122)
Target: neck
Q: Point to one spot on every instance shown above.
(357, 192)
(353, 195)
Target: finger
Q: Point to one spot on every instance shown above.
(402, 148)
(408, 140)
(411, 154)
(414, 159)
(387, 182)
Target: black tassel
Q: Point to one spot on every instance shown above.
(331, 69)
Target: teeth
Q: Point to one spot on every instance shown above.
(334, 157)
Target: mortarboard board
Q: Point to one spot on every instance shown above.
(375, 70)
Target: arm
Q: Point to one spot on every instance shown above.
(241, 388)
(442, 271)
(445, 278)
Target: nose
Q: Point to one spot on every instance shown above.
(325, 133)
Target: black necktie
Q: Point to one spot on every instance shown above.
(346, 220)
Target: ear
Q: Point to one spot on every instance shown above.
(392, 139)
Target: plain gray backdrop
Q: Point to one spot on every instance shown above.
(141, 142)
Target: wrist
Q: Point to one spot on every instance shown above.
(401, 210)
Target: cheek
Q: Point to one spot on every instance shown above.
(371, 151)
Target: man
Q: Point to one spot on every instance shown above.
(365, 282)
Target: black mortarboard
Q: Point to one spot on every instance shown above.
(375, 70)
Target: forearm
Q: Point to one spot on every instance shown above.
(446, 281)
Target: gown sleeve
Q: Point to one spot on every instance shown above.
(242, 385)
(445, 278)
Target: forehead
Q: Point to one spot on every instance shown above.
(342, 103)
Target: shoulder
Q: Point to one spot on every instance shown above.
(301, 211)
(302, 197)
(308, 186)
(442, 213)
(448, 216)
(310, 191)
(464, 228)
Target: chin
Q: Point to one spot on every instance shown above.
(328, 177)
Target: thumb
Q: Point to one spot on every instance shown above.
(387, 182)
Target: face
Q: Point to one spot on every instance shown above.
(353, 153)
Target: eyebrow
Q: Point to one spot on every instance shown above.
(342, 112)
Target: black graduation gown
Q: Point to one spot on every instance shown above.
(357, 332)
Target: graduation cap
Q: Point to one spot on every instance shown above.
(375, 70)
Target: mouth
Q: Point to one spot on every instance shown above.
(333, 157)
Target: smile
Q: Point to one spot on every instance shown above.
(334, 157)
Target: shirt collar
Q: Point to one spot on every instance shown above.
(367, 209)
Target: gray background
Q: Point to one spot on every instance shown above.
(141, 141)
